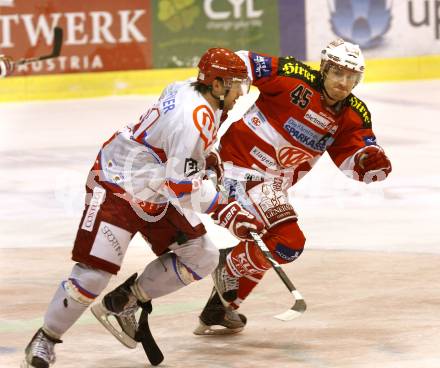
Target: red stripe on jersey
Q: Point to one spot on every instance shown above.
(180, 188)
(109, 140)
(159, 152)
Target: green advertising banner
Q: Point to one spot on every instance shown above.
(184, 29)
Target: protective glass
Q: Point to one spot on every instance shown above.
(341, 74)
(238, 84)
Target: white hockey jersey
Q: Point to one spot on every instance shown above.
(161, 158)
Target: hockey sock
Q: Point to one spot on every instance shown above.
(246, 285)
(188, 262)
(62, 313)
(165, 275)
(73, 297)
(246, 259)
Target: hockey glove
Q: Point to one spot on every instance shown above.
(6, 66)
(372, 164)
(214, 163)
(237, 220)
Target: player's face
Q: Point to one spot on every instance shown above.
(339, 82)
(236, 88)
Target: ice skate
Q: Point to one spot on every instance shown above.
(226, 285)
(216, 319)
(122, 305)
(40, 351)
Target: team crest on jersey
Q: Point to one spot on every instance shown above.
(289, 156)
(254, 118)
(255, 121)
(204, 121)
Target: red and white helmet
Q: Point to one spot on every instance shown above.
(222, 63)
(344, 54)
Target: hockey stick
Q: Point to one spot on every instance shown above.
(144, 336)
(300, 305)
(56, 49)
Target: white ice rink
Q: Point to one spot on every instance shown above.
(47, 149)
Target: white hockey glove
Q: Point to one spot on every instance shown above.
(6, 66)
(237, 220)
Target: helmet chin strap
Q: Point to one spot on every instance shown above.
(324, 76)
(328, 95)
(220, 99)
(337, 105)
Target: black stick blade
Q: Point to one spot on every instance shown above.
(57, 41)
(56, 49)
(57, 44)
(144, 336)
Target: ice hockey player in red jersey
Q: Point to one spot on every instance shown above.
(149, 177)
(299, 115)
(6, 66)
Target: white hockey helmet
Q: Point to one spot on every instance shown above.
(344, 54)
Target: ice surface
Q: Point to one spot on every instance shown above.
(371, 303)
(47, 149)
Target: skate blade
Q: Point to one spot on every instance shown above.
(102, 315)
(288, 315)
(215, 330)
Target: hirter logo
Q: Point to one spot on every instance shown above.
(290, 156)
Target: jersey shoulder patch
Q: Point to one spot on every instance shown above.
(361, 109)
(288, 66)
(261, 65)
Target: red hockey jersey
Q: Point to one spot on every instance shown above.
(290, 127)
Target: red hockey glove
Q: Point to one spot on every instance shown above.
(372, 164)
(237, 220)
(213, 162)
(6, 65)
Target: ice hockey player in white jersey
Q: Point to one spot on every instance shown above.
(150, 178)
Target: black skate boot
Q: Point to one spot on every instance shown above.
(226, 285)
(216, 319)
(40, 351)
(122, 304)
